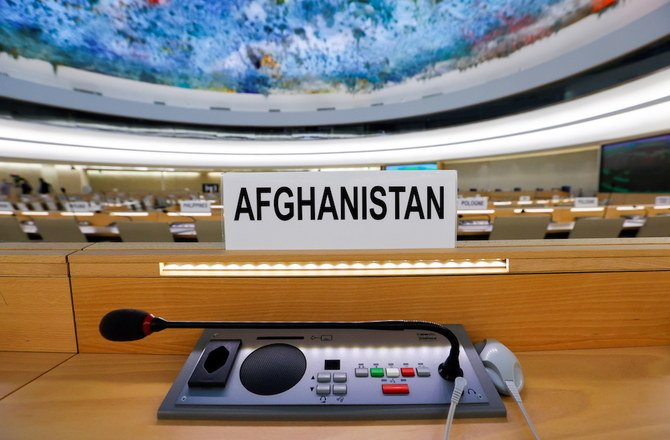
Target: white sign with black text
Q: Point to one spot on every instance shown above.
(662, 200)
(465, 203)
(194, 206)
(340, 210)
(6, 206)
(79, 206)
(586, 202)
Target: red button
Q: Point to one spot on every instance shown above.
(407, 372)
(395, 388)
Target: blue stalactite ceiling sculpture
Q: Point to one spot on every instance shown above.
(280, 46)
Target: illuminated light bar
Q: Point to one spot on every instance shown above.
(524, 202)
(594, 209)
(542, 201)
(6, 212)
(189, 214)
(629, 208)
(217, 206)
(78, 214)
(337, 269)
(533, 210)
(662, 207)
(129, 214)
(34, 213)
(475, 211)
(502, 203)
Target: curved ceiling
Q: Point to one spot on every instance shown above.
(636, 108)
(305, 62)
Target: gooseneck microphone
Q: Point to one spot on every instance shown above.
(133, 324)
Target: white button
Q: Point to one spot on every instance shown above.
(361, 372)
(339, 377)
(422, 372)
(393, 372)
(323, 390)
(339, 389)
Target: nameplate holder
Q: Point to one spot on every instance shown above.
(340, 210)
(469, 203)
(586, 202)
(193, 206)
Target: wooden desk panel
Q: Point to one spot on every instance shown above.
(36, 315)
(577, 395)
(35, 298)
(19, 368)
(529, 312)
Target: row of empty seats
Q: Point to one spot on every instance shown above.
(67, 230)
(531, 228)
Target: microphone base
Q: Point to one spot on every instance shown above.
(318, 374)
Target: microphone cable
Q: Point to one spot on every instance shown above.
(459, 385)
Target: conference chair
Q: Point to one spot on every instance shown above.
(59, 230)
(154, 232)
(209, 231)
(586, 227)
(519, 228)
(10, 230)
(658, 226)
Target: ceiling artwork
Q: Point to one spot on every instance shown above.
(284, 47)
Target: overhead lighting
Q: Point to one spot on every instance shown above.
(6, 212)
(338, 269)
(34, 213)
(661, 206)
(502, 203)
(635, 108)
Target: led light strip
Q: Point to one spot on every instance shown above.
(34, 213)
(6, 212)
(629, 208)
(338, 269)
(533, 210)
(78, 214)
(129, 214)
(189, 214)
(594, 209)
(475, 211)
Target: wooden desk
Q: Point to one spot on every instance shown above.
(605, 394)
(20, 368)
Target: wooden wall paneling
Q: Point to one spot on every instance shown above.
(35, 298)
(527, 312)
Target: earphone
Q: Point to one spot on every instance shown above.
(505, 372)
(500, 364)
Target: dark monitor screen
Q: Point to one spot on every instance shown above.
(414, 167)
(636, 166)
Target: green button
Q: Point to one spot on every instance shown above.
(377, 372)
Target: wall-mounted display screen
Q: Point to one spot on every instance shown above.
(413, 167)
(636, 166)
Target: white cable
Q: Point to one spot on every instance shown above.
(517, 397)
(459, 385)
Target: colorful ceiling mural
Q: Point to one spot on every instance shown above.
(280, 46)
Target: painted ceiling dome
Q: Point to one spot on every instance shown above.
(272, 47)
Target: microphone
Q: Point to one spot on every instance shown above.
(131, 325)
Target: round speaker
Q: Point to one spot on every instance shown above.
(273, 369)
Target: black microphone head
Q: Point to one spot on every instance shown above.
(126, 325)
